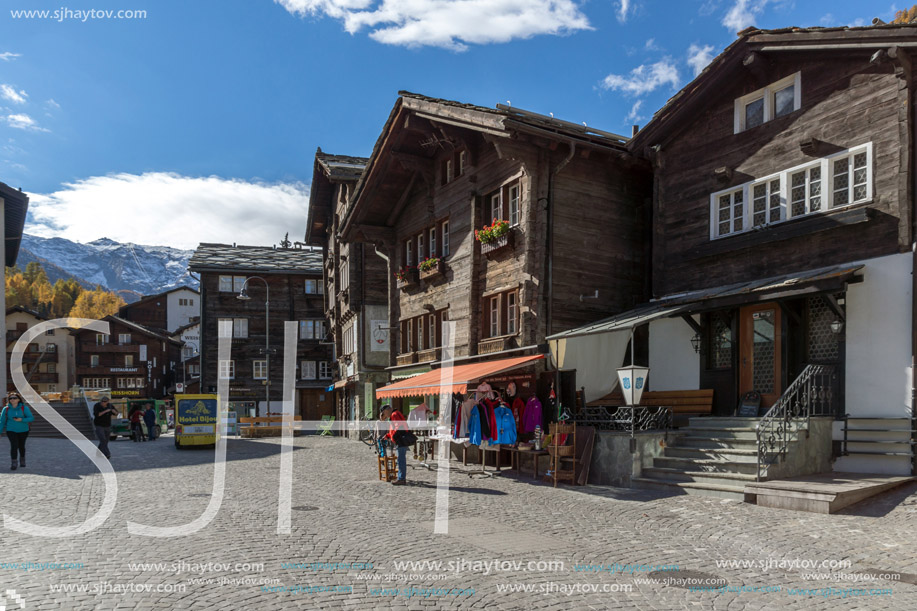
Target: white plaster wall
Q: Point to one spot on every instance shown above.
(878, 357)
(879, 339)
(182, 315)
(673, 363)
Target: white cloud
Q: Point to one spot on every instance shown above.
(651, 45)
(23, 121)
(624, 9)
(743, 14)
(450, 24)
(169, 209)
(644, 78)
(859, 22)
(51, 104)
(8, 93)
(633, 116)
(827, 19)
(7, 56)
(699, 57)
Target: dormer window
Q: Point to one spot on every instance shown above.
(775, 100)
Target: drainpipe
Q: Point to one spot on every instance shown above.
(388, 292)
(550, 240)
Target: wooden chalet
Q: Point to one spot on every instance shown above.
(290, 276)
(355, 288)
(782, 245)
(570, 206)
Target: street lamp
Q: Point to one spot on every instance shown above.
(244, 296)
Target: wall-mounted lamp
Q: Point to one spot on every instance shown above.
(837, 327)
(696, 342)
(584, 297)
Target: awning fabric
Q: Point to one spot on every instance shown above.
(438, 381)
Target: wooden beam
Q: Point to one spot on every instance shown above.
(402, 201)
(834, 306)
(691, 323)
(374, 234)
(789, 313)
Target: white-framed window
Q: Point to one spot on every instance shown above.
(512, 312)
(187, 352)
(462, 162)
(431, 330)
(420, 248)
(420, 328)
(239, 326)
(51, 348)
(49, 332)
(513, 197)
(227, 370)
(128, 360)
(409, 253)
(833, 182)
(767, 103)
(231, 284)
(314, 287)
(96, 382)
(101, 339)
(259, 370)
(496, 206)
(124, 338)
(445, 234)
(349, 341)
(313, 328)
(450, 170)
(52, 387)
(324, 370)
(52, 368)
(495, 316)
(307, 370)
(93, 360)
(344, 274)
(433, 252)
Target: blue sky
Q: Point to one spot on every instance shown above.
(187, 123)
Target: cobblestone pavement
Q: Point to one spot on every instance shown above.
(512, 544)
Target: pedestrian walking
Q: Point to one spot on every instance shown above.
(101, 420)
(15, 420)
(402, 437)
(149, 417)
(136, 418)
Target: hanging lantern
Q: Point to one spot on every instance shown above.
(632, 381)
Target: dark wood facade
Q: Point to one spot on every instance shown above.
(576, 201)
(131, 360)
(223, 269)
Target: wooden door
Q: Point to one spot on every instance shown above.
(759, 351)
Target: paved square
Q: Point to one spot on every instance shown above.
(358, 543)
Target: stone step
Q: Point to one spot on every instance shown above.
(728, 422)
(697, 441)
(706, 465)
(721, 433)
(700, 477)
(732, 455)
(736, 493)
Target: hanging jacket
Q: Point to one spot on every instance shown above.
(475, 426)
(466, 416)
(490, 405)
(506, 425)
(532, 416)
(518, 411)
(484, 412)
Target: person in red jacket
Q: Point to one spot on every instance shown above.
(397, 422)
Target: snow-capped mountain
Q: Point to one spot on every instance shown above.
(116, 266)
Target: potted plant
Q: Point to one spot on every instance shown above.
(406, 276)
(431, 266)
(495, 236)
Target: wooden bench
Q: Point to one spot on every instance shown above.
(684, 403)
(264, 426)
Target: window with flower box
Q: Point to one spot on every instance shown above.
(504, 204)
(501, 314)
(830, 183)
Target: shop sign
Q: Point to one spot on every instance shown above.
(124, 370)
(125, 393)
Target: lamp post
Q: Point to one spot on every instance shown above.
(244, 296)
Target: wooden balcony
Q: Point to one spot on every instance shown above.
(406, 358)
(91, 348)
(430, 354)
(410, 279)
(31, 356)
(504, 243)
(497, 344)
(437, 271)
(45, 378)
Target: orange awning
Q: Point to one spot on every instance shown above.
(433, 382)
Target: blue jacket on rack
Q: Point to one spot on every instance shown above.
(474, 426)
(506, 425)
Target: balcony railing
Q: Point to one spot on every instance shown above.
(506, 242)
(497, 344)
(430, 354)
(434, 272)
(406, 358)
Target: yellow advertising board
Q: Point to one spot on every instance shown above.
(196, 420)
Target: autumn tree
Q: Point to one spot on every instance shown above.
(64, 295)
(906, 16)
(97, 303)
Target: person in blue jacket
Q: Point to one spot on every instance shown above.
(15, 420)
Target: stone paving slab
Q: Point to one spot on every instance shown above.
(512, 543)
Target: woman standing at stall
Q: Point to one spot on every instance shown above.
(14, 420)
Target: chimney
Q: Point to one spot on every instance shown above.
(633, 130)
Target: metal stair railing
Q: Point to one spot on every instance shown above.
(810, 394)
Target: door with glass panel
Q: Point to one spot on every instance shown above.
(759, 352)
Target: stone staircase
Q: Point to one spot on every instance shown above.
(711, 456)
(75, 413)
